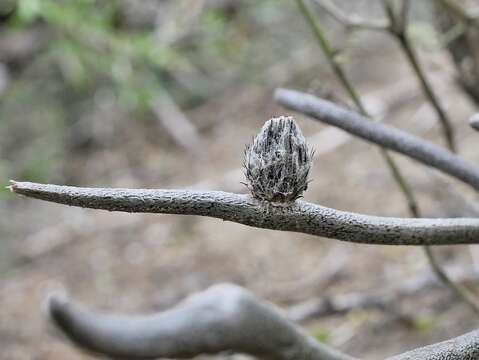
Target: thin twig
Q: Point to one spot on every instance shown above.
(385, 298)
(298, 216)
(399, 30)
(351, 21)
(460, 12)
(460, 290)
(176, 123)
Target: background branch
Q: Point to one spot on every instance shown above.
(227, 318)
(351, 20)
(224, 317)
(399, 31)
(397, 140)
(459, 11)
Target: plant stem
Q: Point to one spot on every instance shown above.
(399, 30)
(460, 290)
(460, 12)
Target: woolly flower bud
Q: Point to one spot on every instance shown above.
(277, 164)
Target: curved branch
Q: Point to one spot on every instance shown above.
(298, 216)
(461, 348)
(394, 139)
(222, 318)
(226, 318)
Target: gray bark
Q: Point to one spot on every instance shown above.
(465, 347)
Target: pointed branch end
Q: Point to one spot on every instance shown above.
(54, 307)
(13, 186)
(474, 121)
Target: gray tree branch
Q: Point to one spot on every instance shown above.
(222, 318)
(388, 137)
(298, 216)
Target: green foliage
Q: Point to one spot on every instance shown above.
(321, 334)
(424, 324)
(88, 48)
(424, 35)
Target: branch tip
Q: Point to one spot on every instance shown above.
(474, 121)
(13, 186)
(54, 303)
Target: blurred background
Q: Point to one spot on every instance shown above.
(166, 94)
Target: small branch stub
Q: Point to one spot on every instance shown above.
(278, 162)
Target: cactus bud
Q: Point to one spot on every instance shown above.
(278, 161)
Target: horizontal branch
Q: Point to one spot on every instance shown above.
(222, 318)
(298, 216)
(386, 136)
